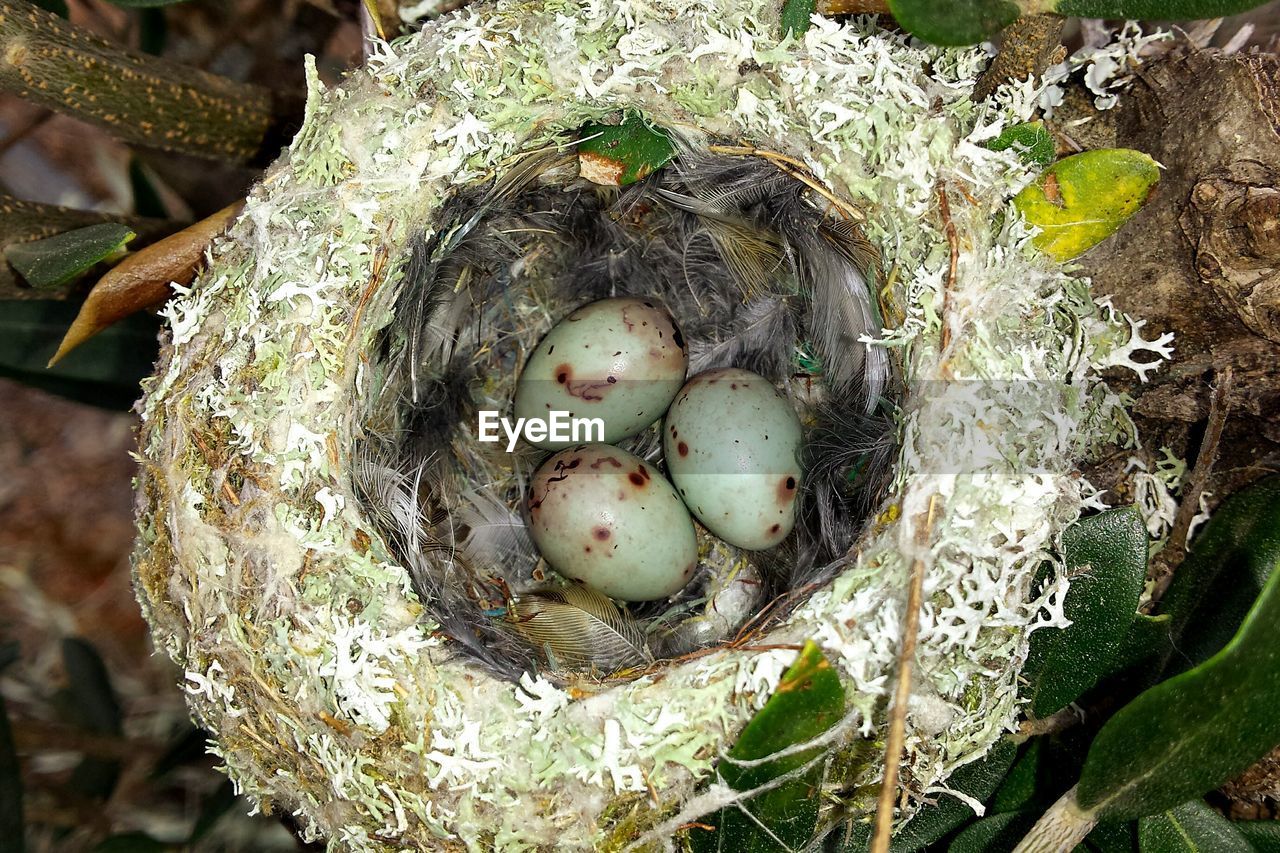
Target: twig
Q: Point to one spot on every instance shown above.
(953, 244)
(1169, 557)
(137, 98)
(40, 736)
(901, 695)
(1028, 46)
(831, 8)
(1060, 721)
(1061, 828)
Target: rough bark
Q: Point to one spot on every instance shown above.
(137, 98)
(1202, 258)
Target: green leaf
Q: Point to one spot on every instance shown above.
(191, 745)
(1190, 828)
(978, 779)
(95, 708)
(809, 700)
(212, 809)
(619, 154)
(1081, 200)
(1191, 733)
(1032, 140)
(954, 22)
(796, 16)
(991, 834)
(153, 32)
(1105, 556)
(104, 371)
(1111, 837)
(1229, 563)
(1145, 644)
(11, 821)
(57, 7)
(1264, 835)
(146, 199)
(130, 842)
(64, 257)
(1154, 10)
(1018, 791)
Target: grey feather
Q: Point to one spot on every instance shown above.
(580, 630)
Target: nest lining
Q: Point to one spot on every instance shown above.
(760, 272)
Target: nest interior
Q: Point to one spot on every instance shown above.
(760, 270)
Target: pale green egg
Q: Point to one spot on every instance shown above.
(609, 519)
(732, 445)
(619, 360)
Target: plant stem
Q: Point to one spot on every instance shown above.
(1027, 47)
(139, 99)
(896, 735)
(1060, 829)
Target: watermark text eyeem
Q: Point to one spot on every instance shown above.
(558, 426)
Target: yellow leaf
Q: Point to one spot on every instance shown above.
(1083, 199)
(142, 279)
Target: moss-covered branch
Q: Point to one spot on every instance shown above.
(137, 98)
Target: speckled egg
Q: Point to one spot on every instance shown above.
(621, 360)
(609, 519)
(732, 443)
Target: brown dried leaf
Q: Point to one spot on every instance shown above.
(142, 280)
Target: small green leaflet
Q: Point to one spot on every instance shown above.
(56, 260)
(1105, 556)
(1018, 790)
(1145, 644)
(796, 15)
(1264, 835)
(1190, 828)
(809, 701)
(1191, 733)
(619, 154)
(1031, 139)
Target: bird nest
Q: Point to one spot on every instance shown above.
(333, 560)
(760, 271)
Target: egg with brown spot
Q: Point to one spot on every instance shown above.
(732, 445)
(620, 360)
(609, 519)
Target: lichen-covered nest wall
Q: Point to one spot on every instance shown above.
(305, 650)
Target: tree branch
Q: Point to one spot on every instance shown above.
(139, 99)
(1027, 47)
